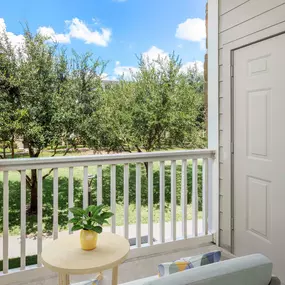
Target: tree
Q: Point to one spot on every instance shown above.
(10, 115)
(155, 95)
(46, 98)
(111, 127)
(159, 108)
(86, 89)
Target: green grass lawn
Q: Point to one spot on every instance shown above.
(14, 196)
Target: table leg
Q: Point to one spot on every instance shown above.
(115, 276)
(63, 279)
(99, 277)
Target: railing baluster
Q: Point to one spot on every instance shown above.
(173, 200)
(212, 208)
(99, 185)
(113, 197)
(70, 197)
(205, 196)
(150, 203)
(138, 204)
(5, 221)
(40, 215)
(184, 197)
(194, 198)
(126, 201)
(85, 187)
(162, 200)
(55, 203)
(39, 168)
(23, 219)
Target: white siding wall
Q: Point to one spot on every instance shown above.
(240, 22)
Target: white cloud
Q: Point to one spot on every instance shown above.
(155, 53)
(105, 76)
(79, 30)
(192, 30)
(126, 71)
(17, 41)
(49, 32)
(2, 25)
(191, 65)
(151, 56)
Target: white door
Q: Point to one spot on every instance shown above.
(259, 151)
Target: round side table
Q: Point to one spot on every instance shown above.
(66, 257)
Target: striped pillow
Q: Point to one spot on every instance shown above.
(165, 269)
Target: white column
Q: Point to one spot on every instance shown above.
(213, 109)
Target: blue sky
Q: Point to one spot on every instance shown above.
(115, 30)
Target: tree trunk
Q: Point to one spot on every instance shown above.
(4, 150)
(34, 183)
(12, 148)
(34, 192)
(146, 168)
(145, 163)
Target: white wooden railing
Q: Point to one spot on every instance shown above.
(40, 164)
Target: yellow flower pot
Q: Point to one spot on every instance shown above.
(88, 239)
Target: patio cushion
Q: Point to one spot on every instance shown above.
(186, 263)
(249, 270)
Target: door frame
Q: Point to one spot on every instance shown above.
(228, 115)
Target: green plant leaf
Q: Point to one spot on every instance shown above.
(74, 220)
(88, 210)
(97, 209)
(77, 212)
(90, 218)
(88, 227)
(107, 215)
(77, 228)
(97, 229)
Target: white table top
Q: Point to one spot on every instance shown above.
(66, 256)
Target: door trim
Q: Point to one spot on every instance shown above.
(232, 129)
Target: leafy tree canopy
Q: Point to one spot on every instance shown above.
(50, 99)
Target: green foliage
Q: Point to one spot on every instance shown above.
(48, 99)
(160, 108)
(92, 218)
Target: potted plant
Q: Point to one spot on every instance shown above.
(90, 222)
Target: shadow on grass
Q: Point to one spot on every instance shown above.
(31, 227)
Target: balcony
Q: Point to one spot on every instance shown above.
(183, 230)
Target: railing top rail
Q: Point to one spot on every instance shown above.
(87, 160)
